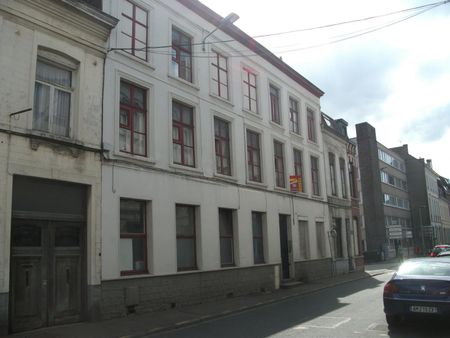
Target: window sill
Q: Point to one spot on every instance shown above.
(317, 197)
(185, 169)
(281, 189)
(140, 61)
(313, 143)
(276, 125)
(221, 99)
(184, 82)
(256, 184)
(296, 135)
(251, 113)
(134, 158)
(227, 178)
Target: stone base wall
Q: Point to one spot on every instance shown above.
(359, 263)
(139, 295)
(313, 269)
(3, 314)
(341, 266)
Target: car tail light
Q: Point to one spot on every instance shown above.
(390, 288)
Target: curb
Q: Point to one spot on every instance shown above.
(242, 309)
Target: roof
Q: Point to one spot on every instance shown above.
(250, 43)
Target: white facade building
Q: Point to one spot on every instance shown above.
(202, 137)
(51, 71)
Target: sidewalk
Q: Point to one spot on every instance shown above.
(144, 324)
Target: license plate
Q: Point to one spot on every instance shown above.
(423, 309)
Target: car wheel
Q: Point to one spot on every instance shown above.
(393, 320)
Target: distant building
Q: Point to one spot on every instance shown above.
(385, 193)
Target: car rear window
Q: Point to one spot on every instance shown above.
(425, 268)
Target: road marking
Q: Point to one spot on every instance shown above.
(377, 327)
(324, 322)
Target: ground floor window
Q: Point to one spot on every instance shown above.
(133, 237)
(258, 237)
(186, 237)
(226, 237)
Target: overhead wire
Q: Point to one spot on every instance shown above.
(333, 40)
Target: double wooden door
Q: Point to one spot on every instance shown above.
(46, 273)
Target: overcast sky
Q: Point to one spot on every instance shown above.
(396, 78)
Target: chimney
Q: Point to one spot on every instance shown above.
(430, 164)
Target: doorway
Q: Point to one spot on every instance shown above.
(47, 274)
(284, 246)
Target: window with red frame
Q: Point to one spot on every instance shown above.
(181, 55)
(183, 134)
(298, 168)
(293, 118)
(133, 237)
(219, 75)
(253, 156)
(249, 90)
(315, 176)
(275, 104)
(186, 237)
(133, 119)
(311, 125)
(279, 164)
(134, 29)
(222, 144)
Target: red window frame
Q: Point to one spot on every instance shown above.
(130, 110)
(247, 83)
(280, 179)
(142, 236)
(222, 145)
(178, 47)
(275, 104)
(228, 214)
(134, 23)
(259, 238)
(315, 176)
(311, 125)
(218, 70)
(298, 167)
(293, 115)
(180, 126)
(253, 148)
(193, 237)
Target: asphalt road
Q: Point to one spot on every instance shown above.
(350, 310)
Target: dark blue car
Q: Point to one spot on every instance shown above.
(420, 287)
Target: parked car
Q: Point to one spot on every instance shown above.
(439, 248)
(420, 287)
(443, 253)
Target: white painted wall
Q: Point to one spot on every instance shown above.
(163, 184)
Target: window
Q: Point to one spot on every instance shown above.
(338, 239)
(53, 95)
(275, 104)
(294, 121)
(279, 164)
(181, 55)
(133, 119)
(320, 236)
(134, 29)
(343, 177)
(331, 159)
(133, 237)
(183, 134)
(249, 90)
(226, 237)
(219, 75)
(222, 144)
(311, 125)
(258, 237)
(315, 176)
(298, 168)
(352, 179)
(304, 239)
(186, 238)
(253, 157)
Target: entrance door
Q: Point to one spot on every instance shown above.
(284, 245)
(46, 273)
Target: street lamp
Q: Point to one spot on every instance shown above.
(230, 18)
